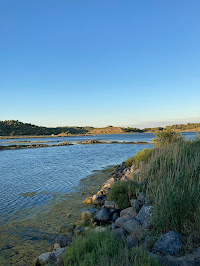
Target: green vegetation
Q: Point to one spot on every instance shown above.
(16, 128)
(173, 176)
(143, 155)
(98, 249)
(166, 137)
(121, 192)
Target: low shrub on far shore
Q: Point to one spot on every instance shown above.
(104, 249)
(143, 155)
(173, 176)
(166, 137)
(122, 192)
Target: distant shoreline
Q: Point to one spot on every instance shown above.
(83, 135)
(87, 142)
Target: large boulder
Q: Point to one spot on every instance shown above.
(121, 221)
(128, 213)
(145, 215)
(131, 226)
(168, 244)
(102, 216)
(49, 258)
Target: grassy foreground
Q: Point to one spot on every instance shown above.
(172, 178)
(103, 249)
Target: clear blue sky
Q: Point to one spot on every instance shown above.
(100, 62)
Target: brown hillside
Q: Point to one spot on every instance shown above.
(107, 130)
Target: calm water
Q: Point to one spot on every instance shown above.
(53, 170)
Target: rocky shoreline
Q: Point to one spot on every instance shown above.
(133, 224)
(42, 145)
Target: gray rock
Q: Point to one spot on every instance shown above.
(79, 230)
(128, 213)
(42, 259)
(121, 221)
(102, 216)
(187, 260)
(115, 216)
(131, 225)
(144, 216)
(100, 229)
(112, 211)
(131, 242)
(99, 200)
(63, 241)
(135, 204)
(120, 233)
(111, 205)
(168, 244)
(86, 216)
(141, 197)
(112, 227)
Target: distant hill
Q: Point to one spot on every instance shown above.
(17, 128)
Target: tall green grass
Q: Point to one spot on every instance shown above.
(122, 192)
(173, 176)
(143, 155)
(104, 249)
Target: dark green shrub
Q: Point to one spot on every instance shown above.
(143, 155)
(121, 192)
(166, 137)
(174, 183)
(129, 161)
(104, 249)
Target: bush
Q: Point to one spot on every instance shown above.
(174, 182)
(143, 155)
(104, 249)
(166, 137)
(129, 161)
(121, 192)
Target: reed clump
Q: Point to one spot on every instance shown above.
(173, 176)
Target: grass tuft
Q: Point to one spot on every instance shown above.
(122, 192)
(104, 249)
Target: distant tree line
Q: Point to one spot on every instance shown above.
(17, 128)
